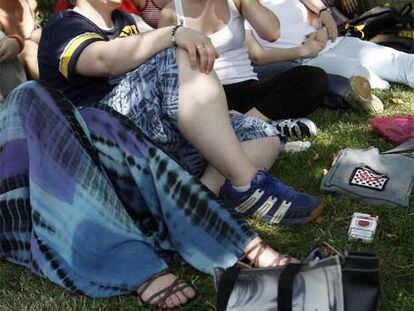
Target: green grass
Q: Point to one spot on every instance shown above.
(19, 290)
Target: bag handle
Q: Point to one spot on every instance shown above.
(285, 287)
(225, 287)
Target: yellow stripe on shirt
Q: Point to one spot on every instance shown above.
(71, 48)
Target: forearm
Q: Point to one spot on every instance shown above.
(265, 57)
(122, 55)
(264, 22)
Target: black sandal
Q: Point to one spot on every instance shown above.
(261, 246)
(176, 286)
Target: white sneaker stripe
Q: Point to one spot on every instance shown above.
(281, 212)
(265, 207)
(248, 203)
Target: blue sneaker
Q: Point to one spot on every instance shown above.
(272, 201)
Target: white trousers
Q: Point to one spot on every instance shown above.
(379, 64)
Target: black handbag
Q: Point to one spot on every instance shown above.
(347, 282)
(375, 21)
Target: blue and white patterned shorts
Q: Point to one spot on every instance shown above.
(148, 96)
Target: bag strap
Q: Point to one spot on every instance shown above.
(225, 287)
(285, 287)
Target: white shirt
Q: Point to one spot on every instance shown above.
(294, 26)
(233, 64)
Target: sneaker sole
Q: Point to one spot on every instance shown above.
(362, 98)
(315, 214)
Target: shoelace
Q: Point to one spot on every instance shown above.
(289, 127)
(284, 191)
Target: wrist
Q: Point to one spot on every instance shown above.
(19, 40)
(325, 10)
(303, 51)
(173, 35)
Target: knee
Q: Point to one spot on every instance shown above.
(318, 78)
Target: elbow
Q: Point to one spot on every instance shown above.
(276, 35)
(255, 58)
(272, 36)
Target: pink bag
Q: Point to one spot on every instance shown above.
(396, 130)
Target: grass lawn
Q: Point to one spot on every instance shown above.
(394, 240)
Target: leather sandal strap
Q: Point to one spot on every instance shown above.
(162, 294)
(251, 249)
(174, 288)
(151, 280)
(259, 253)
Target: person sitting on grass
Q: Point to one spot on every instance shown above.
(343, 92)
(18, 17)
(94, 53)
(92, 205)
(344, 56)
(284, 101)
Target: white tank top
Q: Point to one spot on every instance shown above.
(233, 64)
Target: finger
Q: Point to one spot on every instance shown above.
(347, 7)
(354, 4)
(335, 34)
(192, 54)
(203, 57)
(211, 58)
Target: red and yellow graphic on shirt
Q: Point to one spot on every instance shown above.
(76, 42)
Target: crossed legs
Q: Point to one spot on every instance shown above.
(203, 119)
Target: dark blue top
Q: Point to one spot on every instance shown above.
(63, 39)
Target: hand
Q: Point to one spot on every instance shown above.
(9, 49)
(312, 47)
(322, 35)
(349, 6)
(196, 43)
(328, 21)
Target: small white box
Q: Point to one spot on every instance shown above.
(363, 227)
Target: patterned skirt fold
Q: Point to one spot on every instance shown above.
(87, 202)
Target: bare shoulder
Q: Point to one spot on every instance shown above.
(167, 16)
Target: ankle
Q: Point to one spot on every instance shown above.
(242, 180)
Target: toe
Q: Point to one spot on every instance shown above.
(181, 296)
(189, 292)
(169, 302)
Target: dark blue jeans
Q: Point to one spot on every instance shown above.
(338, 88)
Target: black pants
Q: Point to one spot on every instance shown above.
(294, 94)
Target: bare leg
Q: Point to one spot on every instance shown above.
(203, 119)
(261, 152)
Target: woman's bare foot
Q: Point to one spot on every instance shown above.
(260, 255)
(165, 291)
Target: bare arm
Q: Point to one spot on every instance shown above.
(322, 18)
(263, 21)
(314, 5)
(121, 55)
(260, 56)
(115, 57)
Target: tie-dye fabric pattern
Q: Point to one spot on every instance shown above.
(148, 96)
(87, 202)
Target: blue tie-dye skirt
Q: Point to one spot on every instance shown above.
(87, 202)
